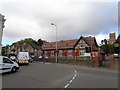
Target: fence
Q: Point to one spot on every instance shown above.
(108, 62)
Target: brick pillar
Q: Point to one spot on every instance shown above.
(97, 61)
(112, 62)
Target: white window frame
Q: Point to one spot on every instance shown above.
(82, 52)
(69, 52)
(60, 52)
(52, 53)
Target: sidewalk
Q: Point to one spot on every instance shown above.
(91, 68)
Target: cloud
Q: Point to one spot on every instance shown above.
(32, 18)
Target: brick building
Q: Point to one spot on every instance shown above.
(82, 47)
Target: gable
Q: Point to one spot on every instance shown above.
(81, 44)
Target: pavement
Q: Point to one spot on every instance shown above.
(52, 75)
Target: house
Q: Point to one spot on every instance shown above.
(82, 47)
(31, 48)
(112, 38)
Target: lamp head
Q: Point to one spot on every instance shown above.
(52, 24)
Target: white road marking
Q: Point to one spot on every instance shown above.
(66, 85)
(71, 79)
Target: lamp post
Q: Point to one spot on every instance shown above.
(56, 40)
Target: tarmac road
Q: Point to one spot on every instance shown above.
(40, 75)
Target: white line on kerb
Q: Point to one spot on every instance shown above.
(71, 79)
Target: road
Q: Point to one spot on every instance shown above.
(50, 75)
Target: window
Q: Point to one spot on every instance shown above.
(5, 60)
(82, 51)
(69, 52)
(60, 52)
(52, 53)
(45, 53)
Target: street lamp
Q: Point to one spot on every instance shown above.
(56, 39)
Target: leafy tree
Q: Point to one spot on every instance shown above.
(105, 41)
(3, 51)
(40, 42)
(27, 41)
(13, 50)
(102, 42)
(11, 54)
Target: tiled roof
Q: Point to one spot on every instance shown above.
(63, 44)
(92, 42)
(69, 44)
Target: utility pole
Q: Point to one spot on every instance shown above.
(2, 20)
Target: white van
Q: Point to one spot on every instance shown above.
(7, 65)
(23, 58)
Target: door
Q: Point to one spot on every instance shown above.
(7, 65)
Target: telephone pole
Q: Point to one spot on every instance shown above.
(2, 21)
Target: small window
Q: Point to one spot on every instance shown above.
(5, 60)
(69, 52)
(52, 53)
(82, 51)
(60, 53)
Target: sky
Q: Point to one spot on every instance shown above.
(73, 18)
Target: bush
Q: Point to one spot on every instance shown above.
(11, 54)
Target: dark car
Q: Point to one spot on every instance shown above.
(30, 60)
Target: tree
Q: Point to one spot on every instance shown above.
(102, 42)
(40, 42)
(13, 50)
(27, 41)
(3, 51)
(105, 41)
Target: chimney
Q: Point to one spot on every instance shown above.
(61, 40)
(112, 36)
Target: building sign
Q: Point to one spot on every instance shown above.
(87, 54)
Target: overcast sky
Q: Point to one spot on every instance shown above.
(33, 18)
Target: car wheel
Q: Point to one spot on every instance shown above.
(13, 69)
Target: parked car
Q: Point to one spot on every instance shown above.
(30, 60)
(34, 57)
(14, 58)
(7, 65)
(46, 58)
(40, 57)
(116, 55)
